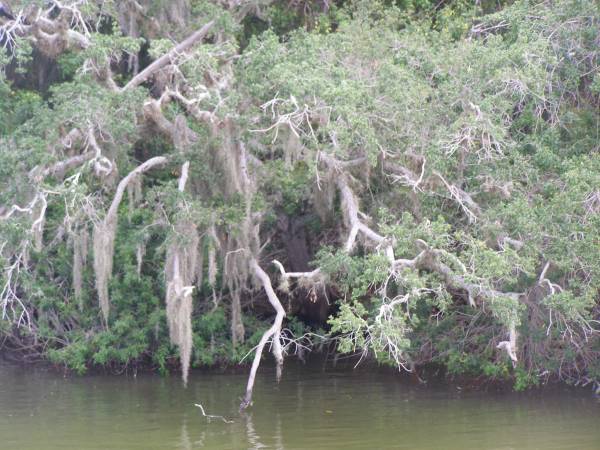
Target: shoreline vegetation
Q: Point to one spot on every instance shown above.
(199, 183)
(430, 376)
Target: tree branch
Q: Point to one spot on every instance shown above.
(286, 275)
(350, 206)
(167, 57)
(273, 332)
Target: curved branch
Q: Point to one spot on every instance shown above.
(144, 167)
(286, 275)
(429, 260)
(273, 332)
(61, 167)
(177, 131)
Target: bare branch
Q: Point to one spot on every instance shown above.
(285, 274)
(61, 167)
(464, 199)
(191, 106)
(177, 131)
(273, 333)
(404, 175)
(210, 416)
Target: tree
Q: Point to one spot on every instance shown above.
(447, 174)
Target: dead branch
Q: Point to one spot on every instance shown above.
(314, 277)
(272, 333)
(429, 259)
(50, 36)
(210, 416)
(102, 165)
(464, 199)
(484, 29)
(191, 105)
(288, 275)
(504, 241)
(504, 190)
(9, 297)
(59, 168)
(350, 207)
(405, 176)
(542, 280)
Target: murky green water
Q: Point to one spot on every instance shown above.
(310, 409)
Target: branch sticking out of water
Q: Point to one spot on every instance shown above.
(210, 416)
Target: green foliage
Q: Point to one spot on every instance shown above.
(74, 356)
(210, 338)
(352, 325)
(574, 308)
(525, 380)
(19, 106)
(355, 275)
(292, 186)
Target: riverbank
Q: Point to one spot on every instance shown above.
(435, 376)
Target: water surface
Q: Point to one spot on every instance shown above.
(309, 409)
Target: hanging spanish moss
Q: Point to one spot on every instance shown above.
(200, 265)
(105, 233)
(179, 312)
(38, 225)
(180, 274)
(134, 195)
(236, 274)
(213, 244)
(103, 242)
(323, 196)
(140, 252)
(80, 250)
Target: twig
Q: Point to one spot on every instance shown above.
(210, 416)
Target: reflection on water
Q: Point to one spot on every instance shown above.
(310, 409)
(253, 438)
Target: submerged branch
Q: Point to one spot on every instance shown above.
(210, 416)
